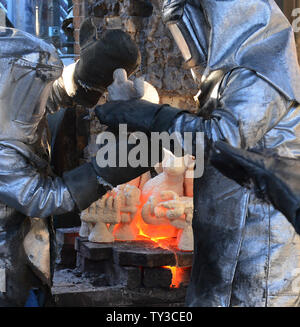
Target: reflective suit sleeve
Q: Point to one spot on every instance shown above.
(25, 189)
(60, 94)
(248, 107)
(58, 98)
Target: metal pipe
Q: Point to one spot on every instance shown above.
(37, 21)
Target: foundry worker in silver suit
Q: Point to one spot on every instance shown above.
(243, 55)
(32, 84)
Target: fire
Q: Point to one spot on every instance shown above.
(164, 237)
(176, 276)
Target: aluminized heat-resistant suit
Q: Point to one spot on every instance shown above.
(246, 252)
(28, 68)
(33, 82)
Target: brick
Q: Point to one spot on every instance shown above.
(94, 251)
(184, 259)
(157, 277)
(81, 290)
(133, 253)
(130, 277)
(142, 253)
(66, 257)
(91, 266)
(65, 238)
(67, 235)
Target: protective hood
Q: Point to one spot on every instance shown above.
(28, 68)
(253, 34)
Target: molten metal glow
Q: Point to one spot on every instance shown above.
(176, 276)
(166, 242)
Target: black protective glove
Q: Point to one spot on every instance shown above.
(98, 60)
(87, 183)
(83, 185)
(276, 179)
(120, 175)
(139, 115)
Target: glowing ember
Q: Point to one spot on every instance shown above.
(165, 237)
(176, 276)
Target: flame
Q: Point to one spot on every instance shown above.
(176, 276)
(165, 242)
(155, 233)
(164, 236)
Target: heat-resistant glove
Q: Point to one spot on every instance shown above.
(139, 115)
(84, 82)
(115, 174)
(276, 179)
(88, 182)
(99, 59)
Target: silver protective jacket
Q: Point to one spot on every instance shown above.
(231, 34)
(246, 253)
(28, 192)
